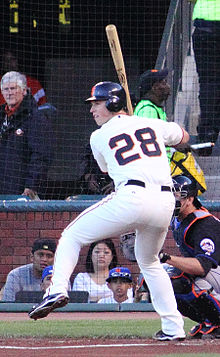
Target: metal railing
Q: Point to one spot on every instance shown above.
(174, 47)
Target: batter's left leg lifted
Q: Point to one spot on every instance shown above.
(47, 305)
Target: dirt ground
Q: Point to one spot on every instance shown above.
(44, 347)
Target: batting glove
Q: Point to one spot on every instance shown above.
(164, 256)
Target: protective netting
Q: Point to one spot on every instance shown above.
(63, 44)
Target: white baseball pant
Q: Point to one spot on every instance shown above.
(147, 211)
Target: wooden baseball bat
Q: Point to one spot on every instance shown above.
(118, 60)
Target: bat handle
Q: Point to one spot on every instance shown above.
(129, 106)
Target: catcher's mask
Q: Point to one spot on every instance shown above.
(184, 187)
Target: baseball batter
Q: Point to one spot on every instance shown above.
(132, 151)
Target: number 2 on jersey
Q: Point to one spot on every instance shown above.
(149, 146)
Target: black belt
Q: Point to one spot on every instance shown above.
(142, 184)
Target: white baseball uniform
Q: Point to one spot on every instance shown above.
(130, 148)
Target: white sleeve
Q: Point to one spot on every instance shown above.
(101, 301)
(172, 133)
(79, 283)
(97, 154)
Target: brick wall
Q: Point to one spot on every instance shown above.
(19, 230)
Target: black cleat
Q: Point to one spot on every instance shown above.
(48, 304)
(205, 331)
(161, 336)
(195, 331)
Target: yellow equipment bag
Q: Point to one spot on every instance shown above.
(185, 164)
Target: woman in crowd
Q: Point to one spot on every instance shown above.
(100, 259)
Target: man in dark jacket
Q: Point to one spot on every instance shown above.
(25, 140)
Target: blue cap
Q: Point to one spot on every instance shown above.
(47, 271)
(120, 272)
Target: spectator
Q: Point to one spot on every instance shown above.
(25, 140)
(119, 282)
(206, 46)
(29, 277)
(127, 242)
(93, 180)
(196, 273)
(101, 257)
(154, 90)
(46, 277)
(9, 62)
(142, 293)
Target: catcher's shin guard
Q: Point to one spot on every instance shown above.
(187, 310)
(199, 308)
(208, 304)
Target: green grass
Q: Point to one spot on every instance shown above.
(83, 328)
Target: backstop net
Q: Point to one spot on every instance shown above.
(63, 45)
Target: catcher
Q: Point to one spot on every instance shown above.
(196, 273)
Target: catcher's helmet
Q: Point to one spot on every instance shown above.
(113, 93)
(186, 186)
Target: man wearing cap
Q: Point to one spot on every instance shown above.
(154, 90)
(29, 277)
(119, 281)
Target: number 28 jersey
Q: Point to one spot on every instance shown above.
(130, 147)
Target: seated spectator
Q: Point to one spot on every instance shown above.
(127, 242)
(26, 143)
(46, 277)
(29, 277)
(142, 293)
(93, 180)
(119, 282)
(100, 259)
(9, 62)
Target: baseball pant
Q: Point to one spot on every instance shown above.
(147, 211)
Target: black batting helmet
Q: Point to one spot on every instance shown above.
(113, 93)
(185, 186)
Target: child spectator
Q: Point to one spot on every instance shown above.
(119, 282)
(46, 277)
